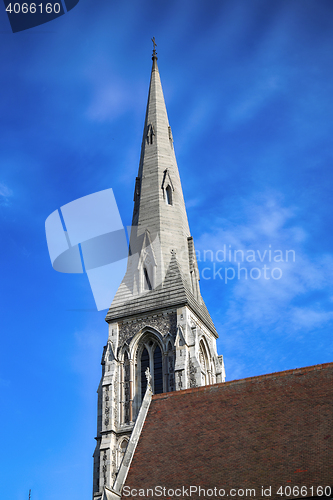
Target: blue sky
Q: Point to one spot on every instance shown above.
(248, 87)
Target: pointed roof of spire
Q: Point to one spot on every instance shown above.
(160, 242)
(158, 209)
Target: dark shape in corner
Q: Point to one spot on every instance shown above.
(24, 14)
(70, 4)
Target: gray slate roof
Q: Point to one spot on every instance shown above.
(174, 292)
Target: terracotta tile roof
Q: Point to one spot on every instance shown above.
(272, 430)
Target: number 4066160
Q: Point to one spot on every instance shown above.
(32, 8)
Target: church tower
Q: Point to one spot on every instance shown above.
(158, 319)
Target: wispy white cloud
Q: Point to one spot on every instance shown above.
(5, 194)
(109, 101)
(110, 94)
(254, 98)
(260, 303)
(199, 114)
(5, 191)
(307, 318)
(194, 202)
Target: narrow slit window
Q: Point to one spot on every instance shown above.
(150, 134)
(144, 366)
(121, 451)
(147, 280)
(158, 372)
(168, 194)
(126, 388)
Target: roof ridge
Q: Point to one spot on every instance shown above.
(293, 371)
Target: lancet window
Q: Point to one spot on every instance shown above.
(150, 356)
(126, 389)
(147, 282)
(144, 365)
(171, 368)
(168, 195)
(150, 134)
(158, 371)
(203, 359)
(121, 451)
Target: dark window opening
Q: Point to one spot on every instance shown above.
(168, 193)
(158, 374)
(144, 366)
(126, 388)
(147, 280)
(150, 134)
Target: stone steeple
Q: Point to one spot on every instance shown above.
(160, 231)
(158, 319)
(159, 203)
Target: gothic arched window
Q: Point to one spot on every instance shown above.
(212, 373)
(144, 365)
(121, 451)
(150, 356)
(168, 195)
(203, 363)
(147, 282)
(158, 371)
(150, 134)
(170, 368)
(126, 388)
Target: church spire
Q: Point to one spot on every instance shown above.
(162, 257)
(157, 319)
(159, 206)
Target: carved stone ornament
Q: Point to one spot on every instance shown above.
(148, 376)
(107, 408)
(191, 372)
(113, 464)
(115, 400)
(180, 383)
(105, 468)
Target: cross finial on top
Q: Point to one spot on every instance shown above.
(154, 45)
